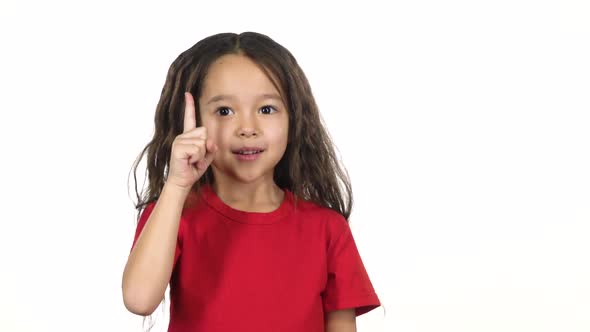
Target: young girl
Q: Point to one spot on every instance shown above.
(244, 215)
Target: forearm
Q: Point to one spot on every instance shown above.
(149, 266)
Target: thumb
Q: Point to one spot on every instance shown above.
(209, 155)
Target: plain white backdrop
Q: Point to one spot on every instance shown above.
(464, 126)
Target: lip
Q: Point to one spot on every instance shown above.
(248, 157)
(247, 148)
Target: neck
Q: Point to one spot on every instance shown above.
(261, 195)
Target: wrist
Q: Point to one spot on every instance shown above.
(176, 190)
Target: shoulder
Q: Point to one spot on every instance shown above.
(332, 221)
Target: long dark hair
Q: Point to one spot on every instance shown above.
(309, 168)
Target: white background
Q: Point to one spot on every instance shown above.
(464, 126)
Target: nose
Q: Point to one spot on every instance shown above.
(247, 132)
(248, 127)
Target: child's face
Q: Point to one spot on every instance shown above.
(240, 107)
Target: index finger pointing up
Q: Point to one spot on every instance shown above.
(190, 122)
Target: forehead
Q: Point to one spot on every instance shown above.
(236, 75)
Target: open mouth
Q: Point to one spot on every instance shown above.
(248, 152)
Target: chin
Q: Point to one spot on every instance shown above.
(244, 173)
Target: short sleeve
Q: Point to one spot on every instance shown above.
(348, 284)
(147, 211)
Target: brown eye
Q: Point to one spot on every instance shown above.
(268, 107)
(221, 109)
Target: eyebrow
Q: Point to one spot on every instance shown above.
(230, 97)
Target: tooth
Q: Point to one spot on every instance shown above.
(249, 152)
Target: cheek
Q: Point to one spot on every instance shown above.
(276, 133)
(213, 129)
(283, 131)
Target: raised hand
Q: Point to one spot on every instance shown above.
(191, 152)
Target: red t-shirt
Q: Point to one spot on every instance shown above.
(255, 271)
